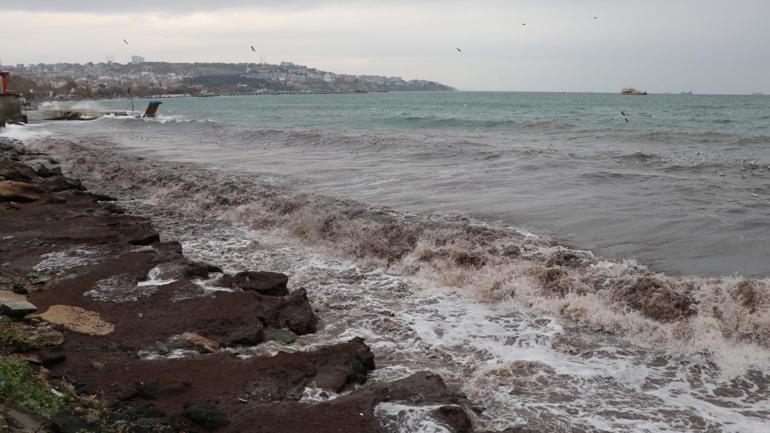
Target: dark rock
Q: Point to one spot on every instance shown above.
(103, 197)
(265, 283)
(12, 170)
(72, 424)
(16, 308)
(455, 418)
(113, 208)
(200, 270)
(206, 416)
(148, 425)
(20, 192)
(46, 172)
(238, 336)
(154, 390)
(147, 237)
(61, 183)
(294, 312)
(49, 358)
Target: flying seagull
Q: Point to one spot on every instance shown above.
(252, 49)
(125, 41)
(459, 50)
(523, 24)
(625, 116)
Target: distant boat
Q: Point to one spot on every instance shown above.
(630, 91)
(757, 94)
(686, 92)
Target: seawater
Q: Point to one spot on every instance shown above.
(684, 186)
(402, 232)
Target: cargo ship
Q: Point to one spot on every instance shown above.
(630, 91)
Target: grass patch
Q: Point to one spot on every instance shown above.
(12, 340)
(20, 386)
(283, 336)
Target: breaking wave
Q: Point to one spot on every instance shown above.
(727, 318)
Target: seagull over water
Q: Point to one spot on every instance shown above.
(252, 49)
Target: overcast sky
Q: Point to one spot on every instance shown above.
(714, 46)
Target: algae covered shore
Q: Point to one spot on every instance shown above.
(107, 326)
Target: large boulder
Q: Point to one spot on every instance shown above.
(207, 416)
(12, 170)
(264, 283)
(14, 304)
(21, 192)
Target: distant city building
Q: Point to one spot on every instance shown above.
(137, 59)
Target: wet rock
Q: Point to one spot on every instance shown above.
(61, 183)
(294, 313)
(145, 236)
(264, 283)
(455, 418)
(238, 335)
(206, 416)
(20, 192)
(72, 424)
(113, 208)
(197, 341)
(281, 335)
(103, 197)
(45, 172)
(155, 390)
(350, 369)
(22, 421)
(15, 305)
(77, 320)
(200, 270)
(12, 170)
(520, 429)
(50, 358)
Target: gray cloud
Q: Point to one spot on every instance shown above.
(659, 45)
(144, 6)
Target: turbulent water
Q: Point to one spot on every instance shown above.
(451, 275)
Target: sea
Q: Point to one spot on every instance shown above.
(570, 262)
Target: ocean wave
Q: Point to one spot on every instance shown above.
(684, 315)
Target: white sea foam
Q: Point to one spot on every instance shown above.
(24, 132)
(58, 262)
(404, 418)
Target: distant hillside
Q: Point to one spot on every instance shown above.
(65, 80)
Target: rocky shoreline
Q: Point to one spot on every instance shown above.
(132, 336)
